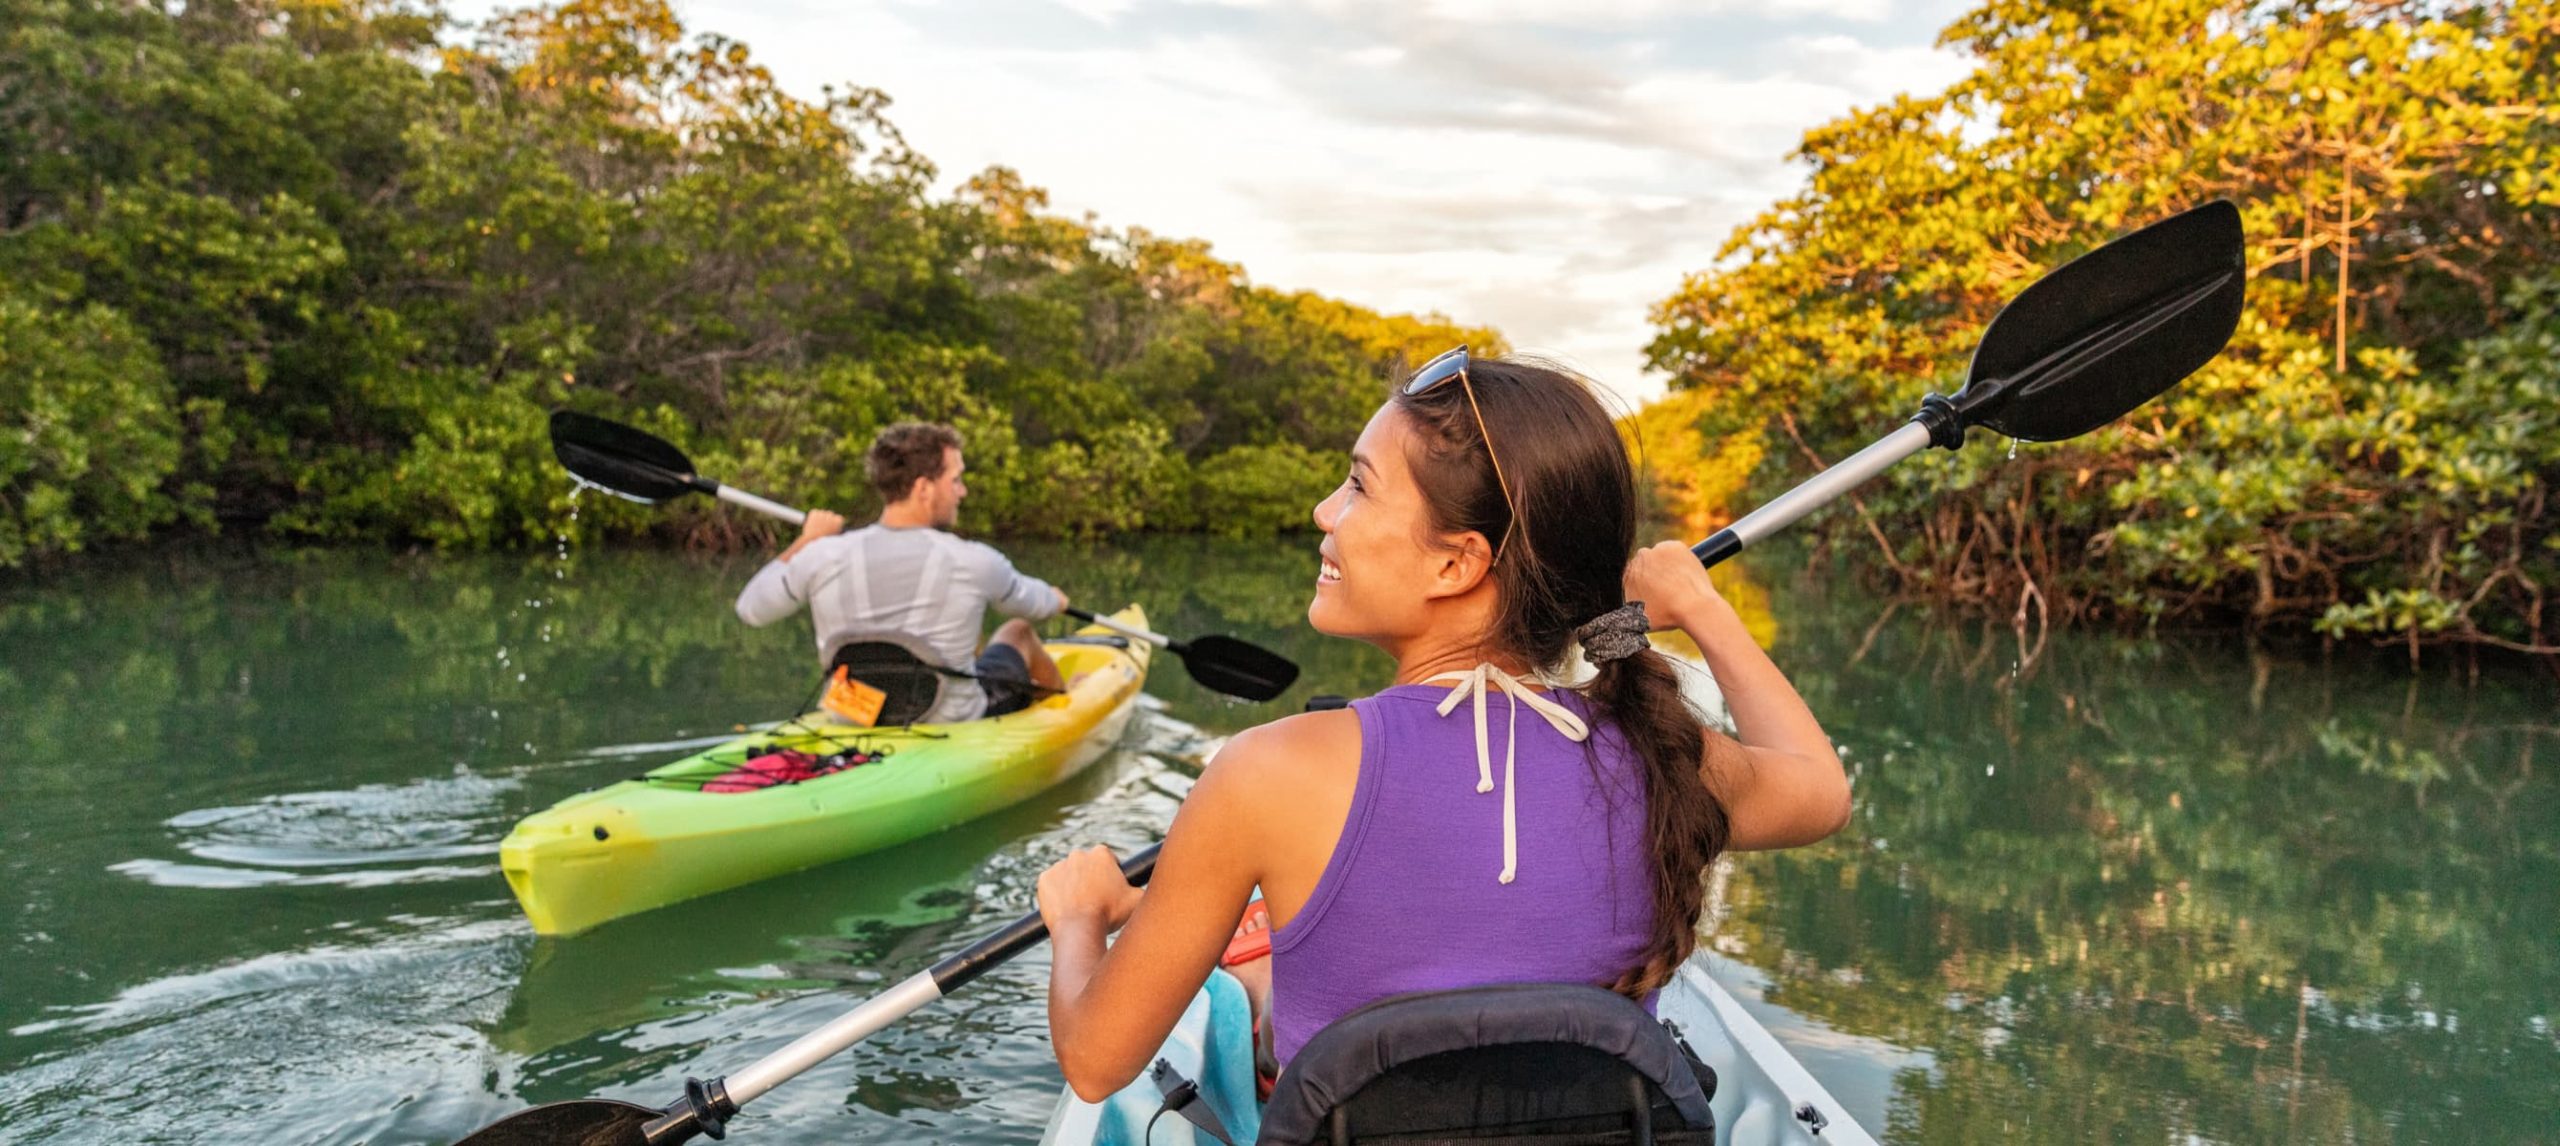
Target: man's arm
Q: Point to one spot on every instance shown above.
(771, 594)
(1010, 591)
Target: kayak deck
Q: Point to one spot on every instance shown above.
(660, 839)
(1760, 1088)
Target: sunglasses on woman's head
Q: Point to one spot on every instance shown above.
(1453, 364)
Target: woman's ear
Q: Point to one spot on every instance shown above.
(1466, 560)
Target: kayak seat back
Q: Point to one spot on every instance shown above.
(1550, 1064)
(897, 665)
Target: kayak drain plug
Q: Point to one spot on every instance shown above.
(601, 834)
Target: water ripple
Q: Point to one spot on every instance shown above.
(167, 998)
(284, 840)
(165, 873)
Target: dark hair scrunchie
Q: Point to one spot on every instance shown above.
(1614, 635)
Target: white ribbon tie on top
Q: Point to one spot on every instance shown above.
(1562, 719)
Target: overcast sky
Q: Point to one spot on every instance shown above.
(1547, 167)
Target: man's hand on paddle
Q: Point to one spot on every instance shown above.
(819, 523)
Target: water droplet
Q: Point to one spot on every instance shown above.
(2013, 449)
(585, 484)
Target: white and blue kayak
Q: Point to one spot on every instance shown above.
(1759, 1092)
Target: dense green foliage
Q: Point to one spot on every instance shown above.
(2373, 455)
(86, 430)
(318, 268)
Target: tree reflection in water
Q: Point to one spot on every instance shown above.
(2142, 890)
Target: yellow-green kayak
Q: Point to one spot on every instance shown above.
(661, 839)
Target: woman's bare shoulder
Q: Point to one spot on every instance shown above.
(1277, 794)
(1285, 757)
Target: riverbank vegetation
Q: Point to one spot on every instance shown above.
(317, 269)
(2374, 455)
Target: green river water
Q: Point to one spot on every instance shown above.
(2111, 889)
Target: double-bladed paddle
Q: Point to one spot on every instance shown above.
(2080, 348)
(639, 466)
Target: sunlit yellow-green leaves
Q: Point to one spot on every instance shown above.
(2375, 452)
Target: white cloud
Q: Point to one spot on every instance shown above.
(1098, 11)
(1623, 13)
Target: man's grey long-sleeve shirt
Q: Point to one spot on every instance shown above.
(920, 582)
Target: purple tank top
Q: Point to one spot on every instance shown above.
(1411, 900)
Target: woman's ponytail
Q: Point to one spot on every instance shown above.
(1685, 826)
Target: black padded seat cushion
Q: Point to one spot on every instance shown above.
(896, 665)
(1519, 1062)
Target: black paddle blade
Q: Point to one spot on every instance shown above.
(2111, 329)
(620, 459)
(584, 1122)
(1236, 668)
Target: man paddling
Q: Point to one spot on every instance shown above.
(903, 575)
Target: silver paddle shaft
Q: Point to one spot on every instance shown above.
(1826, 487)
(1159, 640)
(822, 1044)
(950, 974)
(741, 497)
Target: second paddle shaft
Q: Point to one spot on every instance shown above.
(1159, 640)
(904, 999)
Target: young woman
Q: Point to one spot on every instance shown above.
(1477, 822)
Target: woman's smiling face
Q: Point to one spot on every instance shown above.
(1378, 570)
